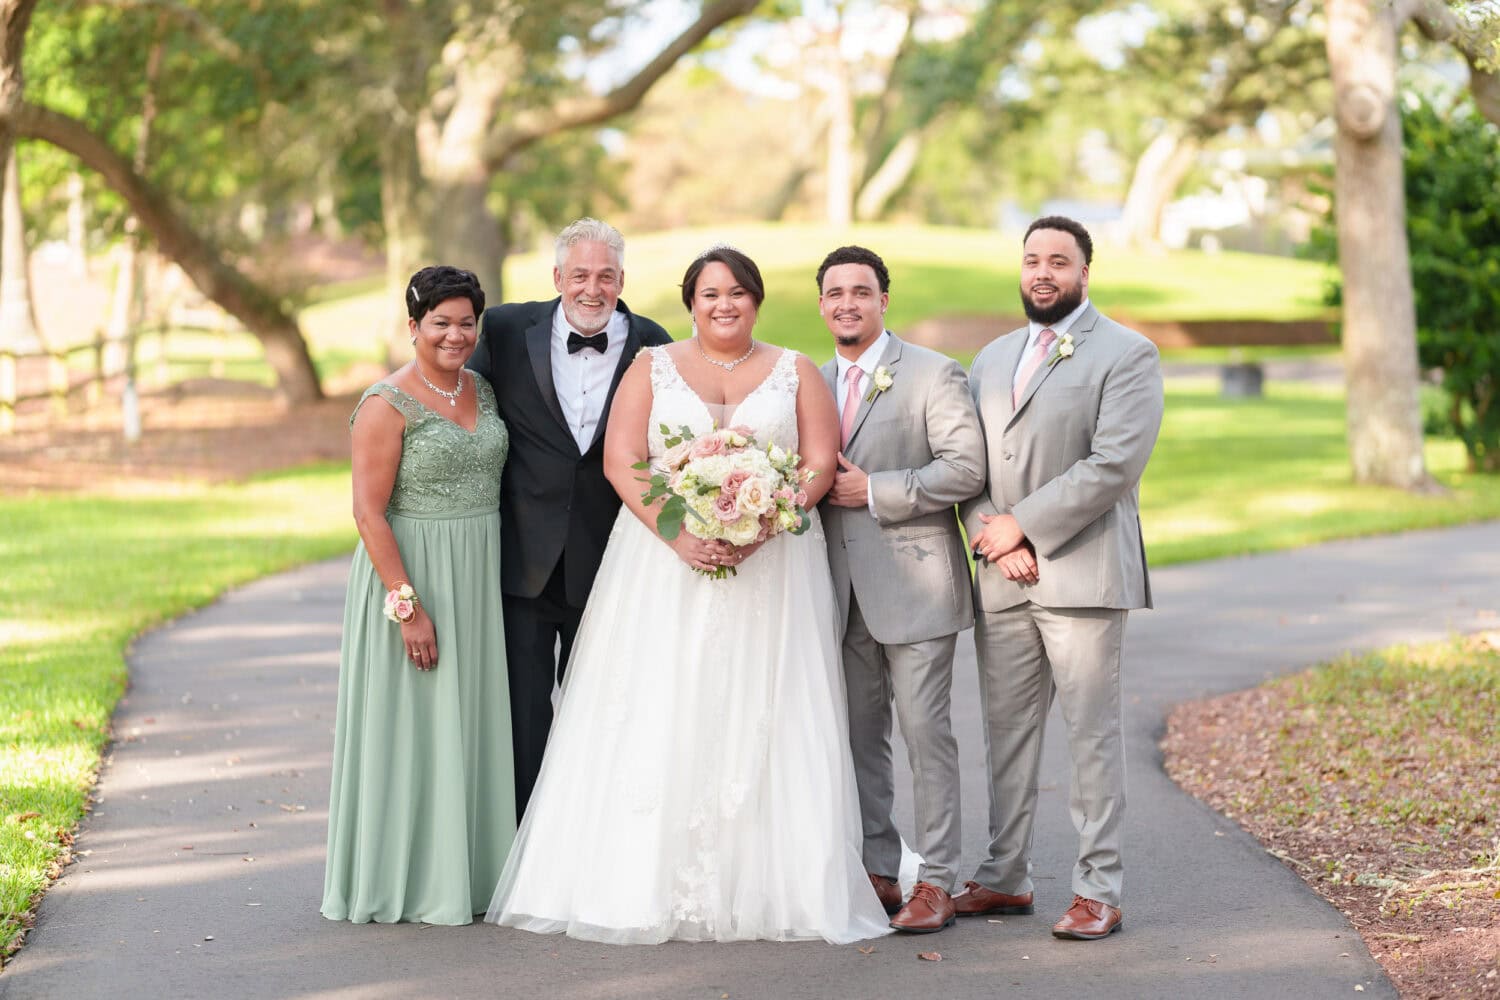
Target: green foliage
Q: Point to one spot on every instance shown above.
(1453, 226)
(83, 575)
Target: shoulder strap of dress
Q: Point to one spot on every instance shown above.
(403, 404)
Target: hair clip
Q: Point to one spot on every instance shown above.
(414, 296)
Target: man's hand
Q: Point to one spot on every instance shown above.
(1001, 535)
(1020, 564)
(851, 487)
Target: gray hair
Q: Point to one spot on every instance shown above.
(591, 231)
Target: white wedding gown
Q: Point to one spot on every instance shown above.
(697, 784)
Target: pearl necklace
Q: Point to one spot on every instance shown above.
(451, 397)
(728, 366)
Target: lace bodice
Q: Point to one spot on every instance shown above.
(770, 410)
(444, 468)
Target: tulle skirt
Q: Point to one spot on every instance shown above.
(697, 784)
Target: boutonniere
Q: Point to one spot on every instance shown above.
(1064, 349)
(879, 382)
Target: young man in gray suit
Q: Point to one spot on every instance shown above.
(1071, 405)
(912, 449)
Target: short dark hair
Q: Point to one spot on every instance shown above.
(432, 286)
(856, 255)
(1067, 225)
(740, 265)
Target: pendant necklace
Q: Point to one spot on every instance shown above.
(451, 397)
(728, 366)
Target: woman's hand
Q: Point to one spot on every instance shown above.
(702, 555)
(420, 639)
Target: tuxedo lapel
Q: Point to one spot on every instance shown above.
(539, 347)
(890, 358)
(1079, 331)
(627, 356)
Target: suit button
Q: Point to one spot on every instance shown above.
(1008, 456)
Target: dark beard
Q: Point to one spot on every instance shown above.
(846, 341)
(1066, 303)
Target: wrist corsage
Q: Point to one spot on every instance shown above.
(401, 603)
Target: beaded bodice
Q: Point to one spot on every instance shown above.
(445, 469)
(770, 410)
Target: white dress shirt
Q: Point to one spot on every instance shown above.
(1061, 327)
(582, 379)
(867, 363)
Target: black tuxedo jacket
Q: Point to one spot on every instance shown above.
(554, 502)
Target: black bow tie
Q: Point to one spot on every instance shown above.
(599, 342)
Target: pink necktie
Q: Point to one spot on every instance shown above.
(1028, 370)
(851, 400)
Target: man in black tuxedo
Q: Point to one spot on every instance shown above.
(554, 367)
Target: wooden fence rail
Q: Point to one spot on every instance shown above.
(111, 359)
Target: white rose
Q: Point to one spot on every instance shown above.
(755, 496)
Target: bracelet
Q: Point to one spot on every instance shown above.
(401, 603)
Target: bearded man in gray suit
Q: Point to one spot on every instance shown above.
(1071, 405)
(912, 449)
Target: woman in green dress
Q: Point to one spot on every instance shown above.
(422, 810)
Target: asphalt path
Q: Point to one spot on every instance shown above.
(200, 871)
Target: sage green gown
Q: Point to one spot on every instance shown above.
(422, 810)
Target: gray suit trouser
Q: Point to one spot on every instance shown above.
(1026, 655)
(918, 678)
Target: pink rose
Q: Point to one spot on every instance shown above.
(708, 445)
(727, 508)
(801, 498)
(731, 484)
(404, 610)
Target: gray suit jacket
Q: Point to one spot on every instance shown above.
(1067, 464)
(921, 445)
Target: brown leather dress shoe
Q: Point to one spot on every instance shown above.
(1088, 920)
(977, 901)
(930, 909)
(888, 891)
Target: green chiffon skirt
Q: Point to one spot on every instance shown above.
(422, 809)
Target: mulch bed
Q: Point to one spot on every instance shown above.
(1424, 895)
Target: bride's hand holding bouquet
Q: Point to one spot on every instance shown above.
(726, 488)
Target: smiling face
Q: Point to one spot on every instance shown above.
(446, 335)
(589, 281)
(853, 306)
(1054, 278)
(723, 309)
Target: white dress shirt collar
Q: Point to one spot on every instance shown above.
(867, 361)
(1061, 327)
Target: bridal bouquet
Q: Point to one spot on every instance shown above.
(724, 486)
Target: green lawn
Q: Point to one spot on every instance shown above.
(82, 575)
(1236, 476)
(935, 271)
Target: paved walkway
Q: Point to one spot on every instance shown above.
(200, 873)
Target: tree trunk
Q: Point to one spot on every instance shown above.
(1158, 174)
(1380, 324)
(839, 189)
(889, 177)
(18, 328)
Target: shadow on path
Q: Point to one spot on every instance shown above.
(200, 872)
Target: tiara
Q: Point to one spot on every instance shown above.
(721, 246)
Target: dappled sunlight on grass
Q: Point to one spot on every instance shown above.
(1232, 476)
(86, 573)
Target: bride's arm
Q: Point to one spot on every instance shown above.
(625, 447)
(817, 429)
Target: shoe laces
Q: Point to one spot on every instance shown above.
(927, 891)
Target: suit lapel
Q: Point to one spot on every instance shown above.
(1007, 359)
(627, 355)
(1079, 331)
(539, 347)
(889, 359)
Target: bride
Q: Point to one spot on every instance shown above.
(698, 784)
